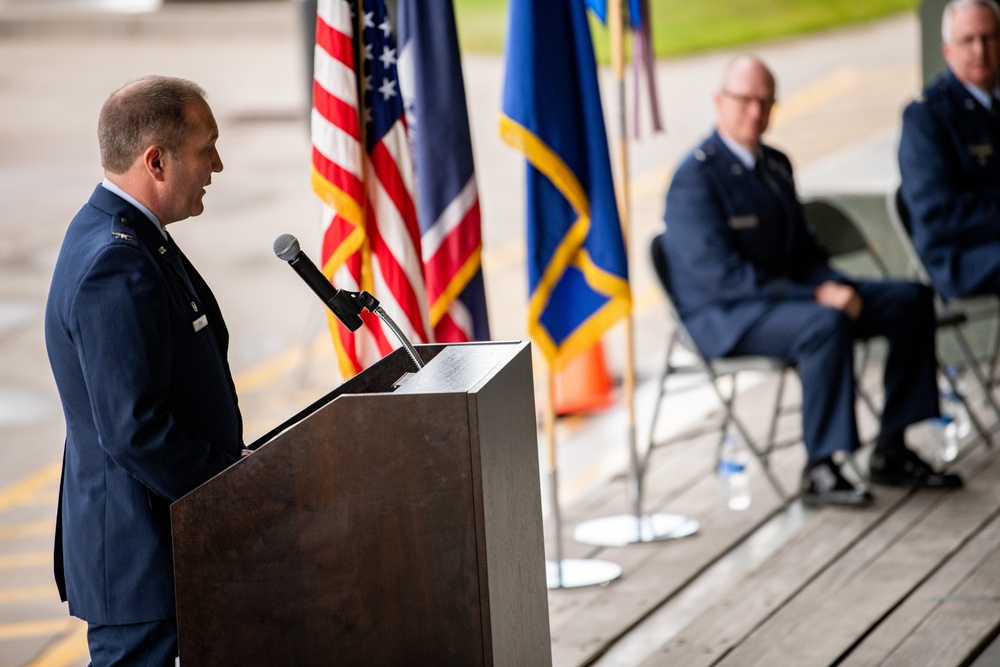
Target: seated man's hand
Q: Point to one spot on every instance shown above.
(839, 296)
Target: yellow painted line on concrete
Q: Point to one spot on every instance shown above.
(817, 94)
(24, 491)
(44, 498)
(582, 482)
(32, 628)
(814, 96)
(30, 593)
(24, 530)
(264, 373)
(30, 559)
(69, 649)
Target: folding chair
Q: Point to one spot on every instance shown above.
(985, 305)
(952, 314)
(692, 362)
(843, 239)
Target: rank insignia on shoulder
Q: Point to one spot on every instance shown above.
(123, 236)
(981, 152)
(162, 250)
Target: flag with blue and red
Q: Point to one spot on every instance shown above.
(430, 73)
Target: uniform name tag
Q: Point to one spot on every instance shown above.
(744, 222)
(200, 323)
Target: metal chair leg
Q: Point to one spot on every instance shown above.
(772, 429)
(977, 374)
(995, 351)
(656, 408)
(761, 458)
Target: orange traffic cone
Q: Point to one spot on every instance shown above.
(583, 385)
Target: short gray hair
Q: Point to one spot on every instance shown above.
(954, 5)
(150, 110)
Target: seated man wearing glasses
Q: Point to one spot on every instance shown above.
(749, 278)
(949, 156)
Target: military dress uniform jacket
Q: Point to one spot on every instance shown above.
(737, 243)
(949, 161)
(138, 349)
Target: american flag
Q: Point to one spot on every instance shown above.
(430, 73)
(363, 173)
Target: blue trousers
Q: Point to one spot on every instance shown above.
(820, 341)
(152, 644)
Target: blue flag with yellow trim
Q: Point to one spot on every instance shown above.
(577, 265)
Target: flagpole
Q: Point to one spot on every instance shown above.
(638, 527)
(550, 439)
(562, 572)
(617, 28)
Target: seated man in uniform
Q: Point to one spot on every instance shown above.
(750, 279)
(949, 156)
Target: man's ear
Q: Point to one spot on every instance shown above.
(153, 161)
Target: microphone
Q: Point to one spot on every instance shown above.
(344, 305)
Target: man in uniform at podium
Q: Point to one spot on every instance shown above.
(138, 349)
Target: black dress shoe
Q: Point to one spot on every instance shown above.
(822, 484)
(905, 468)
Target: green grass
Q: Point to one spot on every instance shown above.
(481, 25)
(688, 26)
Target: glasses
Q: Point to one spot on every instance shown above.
(968, 41)
(745, 100)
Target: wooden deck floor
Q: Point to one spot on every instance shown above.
(913, 580)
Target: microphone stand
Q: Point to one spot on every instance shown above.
(364, 300)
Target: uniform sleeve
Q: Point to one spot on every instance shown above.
(121, 318)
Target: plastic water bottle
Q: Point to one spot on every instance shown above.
(733, 471)
(952, 400)
(944, 438)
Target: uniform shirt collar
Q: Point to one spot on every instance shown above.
(983, 97)
(980, 95)
(748, 159)
(108, 185)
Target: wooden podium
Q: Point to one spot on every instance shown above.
(397, 521)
